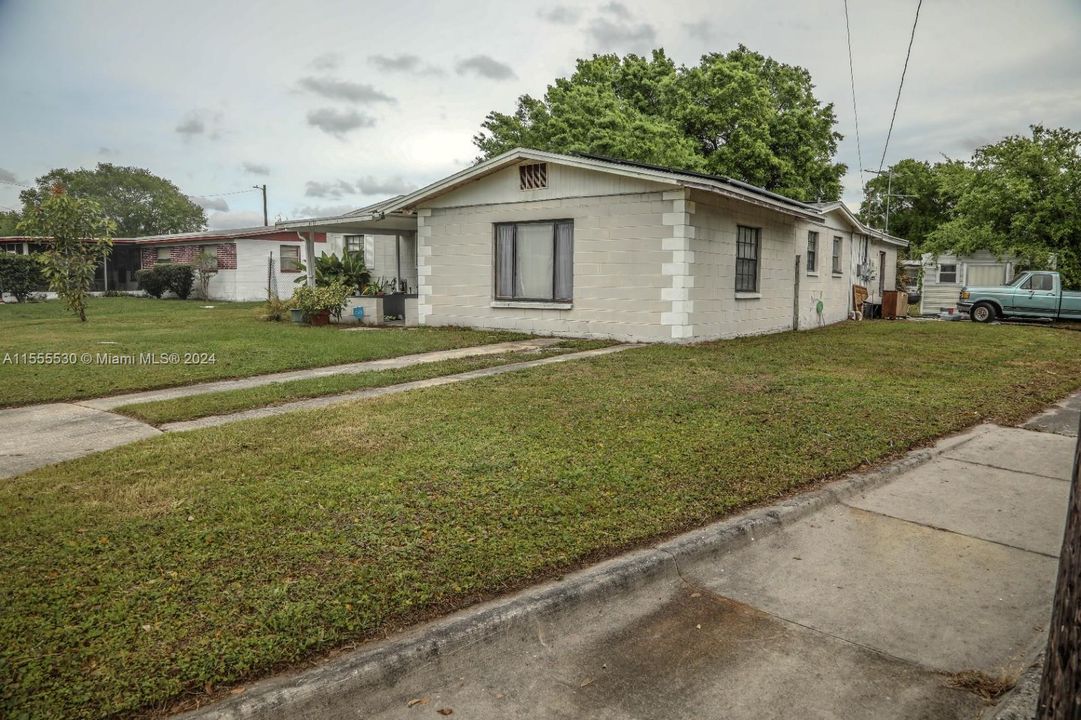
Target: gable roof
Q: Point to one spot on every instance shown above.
(846, 212)
(710, 183)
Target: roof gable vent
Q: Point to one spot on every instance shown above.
(533, 177)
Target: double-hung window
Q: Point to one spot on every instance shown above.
(947, 274)
(812, 252)
(748, 245)
(838, 246)
(290, 255)
(354, 245)
(534, 261)
(164, 255)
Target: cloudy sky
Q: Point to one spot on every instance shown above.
(337, 103)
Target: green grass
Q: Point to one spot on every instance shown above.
(219, 403)
(242, 345)
(150, 574)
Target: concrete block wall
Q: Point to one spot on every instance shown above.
(717, 312)
(833, 290)
(619, 254)
(251, 274)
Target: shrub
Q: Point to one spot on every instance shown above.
(314, 300)
(20, 275)
(176, 278)
(179, 279)
(152, 280)
(274, 310)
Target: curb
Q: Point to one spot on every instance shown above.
(1020, 702)
(333, 687)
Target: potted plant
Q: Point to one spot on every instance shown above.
(318, 304)
(377, 288)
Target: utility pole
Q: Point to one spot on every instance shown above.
(262, 187)
(889, 192)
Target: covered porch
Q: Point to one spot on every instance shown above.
(388, 244)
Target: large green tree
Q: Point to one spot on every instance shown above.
(139, 202)
(920, 199)
(1022, 198)
(738, 114)
(9, 221)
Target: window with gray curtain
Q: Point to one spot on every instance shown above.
(838, 244)
(534, 261)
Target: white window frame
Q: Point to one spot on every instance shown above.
(282, 258)
(837, 259)
(812, 252)
(956, 273)
(158, 260)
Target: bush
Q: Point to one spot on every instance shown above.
(152, 281)
(274, 310)
(20, 275)
(314, 300)
(177, 278)
(180, 279)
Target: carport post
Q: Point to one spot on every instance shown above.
(309, 253)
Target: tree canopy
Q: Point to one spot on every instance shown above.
(136, 200)
(920, 199)
(9, 221)
(1020, 197)
(739, 114)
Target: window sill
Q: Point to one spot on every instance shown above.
(532, 305)
(748, 296)
(812, 274)
(838, 275)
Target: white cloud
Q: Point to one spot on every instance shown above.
(210, 203)
(234, 220)
(256, 168)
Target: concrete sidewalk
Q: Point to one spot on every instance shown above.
(863, 608)
(38, 435)
(402, 361)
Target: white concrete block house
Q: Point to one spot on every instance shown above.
(243, 257)
(587, 246)
(247, 259)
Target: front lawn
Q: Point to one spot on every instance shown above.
(242, 345)
(161, 571)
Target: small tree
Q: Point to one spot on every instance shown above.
(206, 267)
(78, 237)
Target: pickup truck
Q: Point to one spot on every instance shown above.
(1032, 294)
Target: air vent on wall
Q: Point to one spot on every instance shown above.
(533, 177)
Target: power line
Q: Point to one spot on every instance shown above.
(234, 192)
(852, 80)
(5, 182)
(904, 70)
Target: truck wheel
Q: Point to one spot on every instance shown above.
(983, 313)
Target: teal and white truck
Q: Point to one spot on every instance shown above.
(1032, 294)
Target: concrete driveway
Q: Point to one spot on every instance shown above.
(866, 608)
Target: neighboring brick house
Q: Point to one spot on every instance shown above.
(594, 247)
(244, 258)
